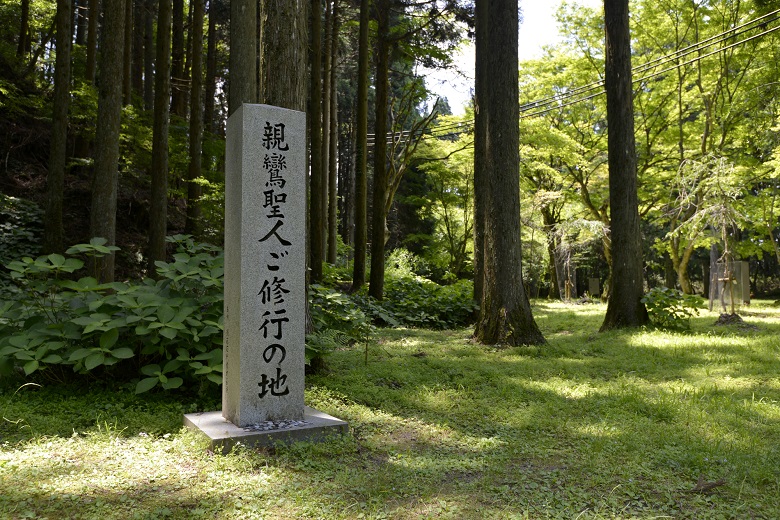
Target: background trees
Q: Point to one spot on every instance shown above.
(706, 79)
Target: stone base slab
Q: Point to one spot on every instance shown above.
(224, 434)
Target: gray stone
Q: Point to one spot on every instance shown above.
(265, 290)
(265, 265)
(224, 435)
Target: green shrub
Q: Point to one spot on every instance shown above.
(334, 311)
(20, 228)
(670, 308)
(169, 330)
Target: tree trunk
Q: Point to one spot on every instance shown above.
(243, 54)
(92, 35)
(127, 76)
(149, 54)
(209, 120)
(285, 54)
(317, 216)
(158, 199)
(378, 237)
(334, 138)
(81, 16)
(104, 181)
(324, 156)
(137, 76)
(505, 315)
(192, 225)
(53, 241)
(178, 81)
(624, 307)
(24, 30)
(361, 165)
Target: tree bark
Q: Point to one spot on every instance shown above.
(149, 54)
(317, 216)
(158, 199)
(285, 54)
(92, 36)
(137, 77)
(243, 54)
(361, 165)
(178, 80)
(378, 237)
(80, 9)
(192, 224)
(334, 139)
(624, 307)
(211, 72)
(324, 156)
(24, 30)
(104, 181)
(128, 53)
(53, 240)
(505, 313)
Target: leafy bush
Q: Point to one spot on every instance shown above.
(20, 228)
(670, 308)
(169, 330)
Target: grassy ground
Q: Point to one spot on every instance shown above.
(642, 424)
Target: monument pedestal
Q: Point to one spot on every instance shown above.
(223, 435)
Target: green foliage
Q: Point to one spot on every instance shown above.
(670, 308)
(20, 228)
(413, 301)
(169, 329)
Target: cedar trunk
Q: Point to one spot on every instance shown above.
(361, 165)
(317, 213)
(243, 54)
(334, 140)
(192, 225)
(158, 200)
(505, 313)
(377, 279)
(624, 307)
(105, 178)
(55, 181)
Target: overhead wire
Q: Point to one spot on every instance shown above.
(596, 88)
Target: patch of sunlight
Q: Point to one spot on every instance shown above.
(601, 429)
(565, 388)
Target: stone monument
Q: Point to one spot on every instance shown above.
(265, 290)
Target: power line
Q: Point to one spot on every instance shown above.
(596, 88)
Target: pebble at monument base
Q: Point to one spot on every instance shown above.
(265, 292)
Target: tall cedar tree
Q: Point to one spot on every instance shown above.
(361, 176)
(505, 315)
(127, 57)
(624, 307)
(55, 181)
(149, 53)
(378, 235)
(158, 200)
(325, 150)
(192, 224)
(106, 175)
(242, 83)
(285, 53)
(317, 213)
(92, 36)
(334, 136)
(24, 30)
(178, 76)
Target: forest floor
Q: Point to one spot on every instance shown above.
(624, 424)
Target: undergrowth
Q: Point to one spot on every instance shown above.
(637, 424)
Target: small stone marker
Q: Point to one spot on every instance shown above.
(265, 290)
(594, 287)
